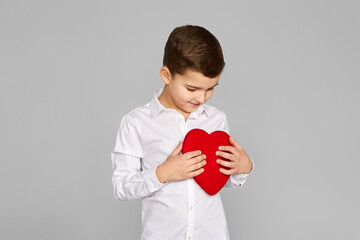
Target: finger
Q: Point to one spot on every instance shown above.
(227, 172)
(225, 163)
(177, 149)
(195, 160)
(196, 173)
(227, 148)
(235, 143)
(192, 154)
(228, 156)
(196, 166)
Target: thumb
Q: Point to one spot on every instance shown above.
(178, 149)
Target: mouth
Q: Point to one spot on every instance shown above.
(195, 104)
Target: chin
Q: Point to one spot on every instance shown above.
(188, 109)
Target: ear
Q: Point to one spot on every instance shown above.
(165, 74)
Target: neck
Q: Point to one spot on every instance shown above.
(165, 99)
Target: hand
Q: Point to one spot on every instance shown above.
(180, 167)
(237, 159)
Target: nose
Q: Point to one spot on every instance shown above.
(201, 98)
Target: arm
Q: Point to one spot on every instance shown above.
(129, 181)
(235, 180)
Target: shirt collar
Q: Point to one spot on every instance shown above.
(156, 107)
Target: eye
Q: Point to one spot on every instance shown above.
(210, 89)
(191, 90)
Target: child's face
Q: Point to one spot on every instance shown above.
(188, 91)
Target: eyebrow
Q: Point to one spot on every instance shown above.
(199, 88)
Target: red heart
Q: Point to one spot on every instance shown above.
(211, 180)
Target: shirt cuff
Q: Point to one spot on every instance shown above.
(152, 181)
(236, 180)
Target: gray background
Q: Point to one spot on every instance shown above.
(71, 69)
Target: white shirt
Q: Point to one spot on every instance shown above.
(178, 210)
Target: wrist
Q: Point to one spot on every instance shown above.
(249, 167)
(160, 174)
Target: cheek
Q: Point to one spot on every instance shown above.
(184, 97)
(209, 95)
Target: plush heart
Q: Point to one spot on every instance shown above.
(211, 180)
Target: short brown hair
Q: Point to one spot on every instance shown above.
(195, 48)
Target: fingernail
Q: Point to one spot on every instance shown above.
(217, 152)
(220, 148)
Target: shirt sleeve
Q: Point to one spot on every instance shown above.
(128, 179)
(235, 180)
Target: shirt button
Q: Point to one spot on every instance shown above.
(189, 237)
(191, 208)
(155, 185)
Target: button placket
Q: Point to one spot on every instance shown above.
(182, 124)
(191, 195)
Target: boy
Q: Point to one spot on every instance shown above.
(144, 160)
